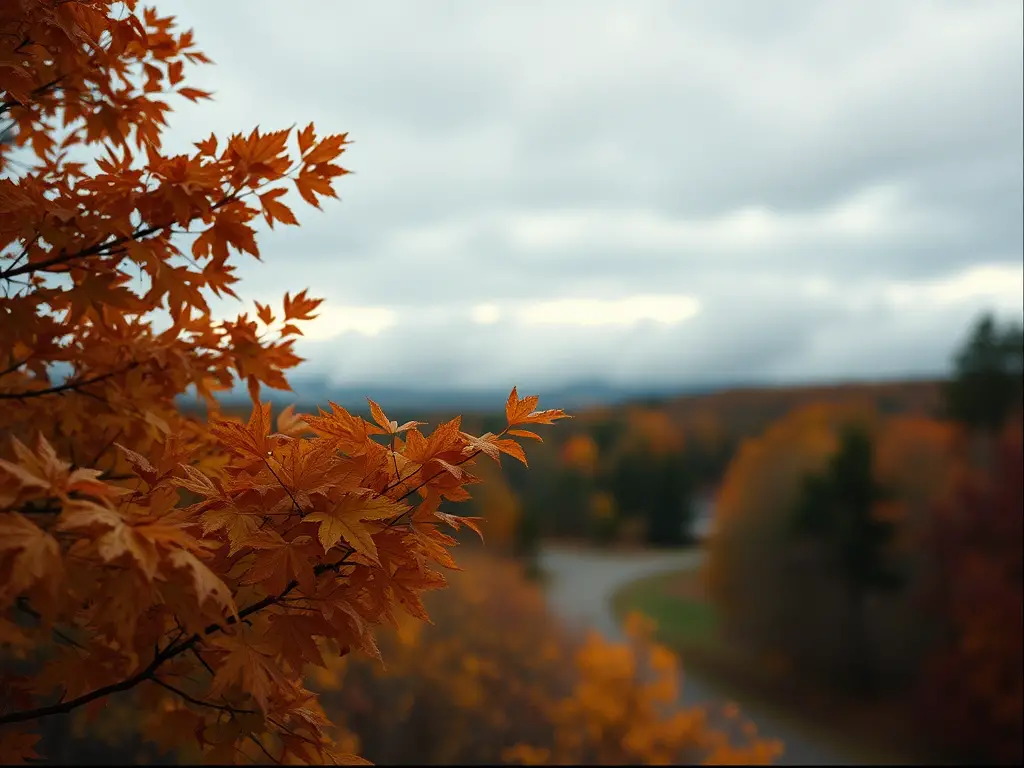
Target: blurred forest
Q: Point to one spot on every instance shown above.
(877, 551)
(642, 473)
(863, 537)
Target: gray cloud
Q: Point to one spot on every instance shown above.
(818, 175)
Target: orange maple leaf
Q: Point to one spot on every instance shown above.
(246, 667)
(274, 210)
(252, 439)
(280, 561)
(343, 520)
(36, 555)
(207, 585)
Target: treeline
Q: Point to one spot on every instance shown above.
(878, 553)
(631, 476)
(644, 473)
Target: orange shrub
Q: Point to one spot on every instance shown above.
(499, 680)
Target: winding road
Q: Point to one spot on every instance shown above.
(582, 583)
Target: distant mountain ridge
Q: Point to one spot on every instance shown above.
(313, 390)
(576, 395)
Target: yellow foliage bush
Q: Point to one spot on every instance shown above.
(496, 679)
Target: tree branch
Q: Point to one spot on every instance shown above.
(14, 366)
(100, 248)
(176, 649)
(66, 706)
(6, 105)
(24, 607)
(199, 702)
(263, 749)
(286, 488)
(70, 386)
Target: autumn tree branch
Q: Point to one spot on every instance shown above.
(176, 649)
(255, 739)
(24, 607)
(71, 386)
(101, 249)
(6, 105)
(199, 702)
(295, 503)
(14, 366)
(107, 247)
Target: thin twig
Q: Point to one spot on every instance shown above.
(287, 490)
(24, 607)
(263, 749)
(14, 366)
(199, 702)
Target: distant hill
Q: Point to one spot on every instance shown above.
(580, 395)
(740, 410)
(747, 411)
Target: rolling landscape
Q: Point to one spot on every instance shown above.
(576, 382)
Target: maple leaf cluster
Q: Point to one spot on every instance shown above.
(203, 564)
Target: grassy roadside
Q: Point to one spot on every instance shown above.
(876, 733)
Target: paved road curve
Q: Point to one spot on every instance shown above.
(580, 590)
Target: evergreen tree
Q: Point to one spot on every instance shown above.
(837, 507)
(988, 376)
(657, 489)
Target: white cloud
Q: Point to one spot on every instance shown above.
(648, 189)
(868, 214)
(999, 286)
(333, 321)
(486, 314)
(665, 310)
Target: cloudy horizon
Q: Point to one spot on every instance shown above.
(647, 193)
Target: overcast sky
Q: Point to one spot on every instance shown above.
(640, 191)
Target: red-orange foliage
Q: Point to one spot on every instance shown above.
(960, 524)
(915, 458)
(108, 581)
(974, 684)
(759, 572)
